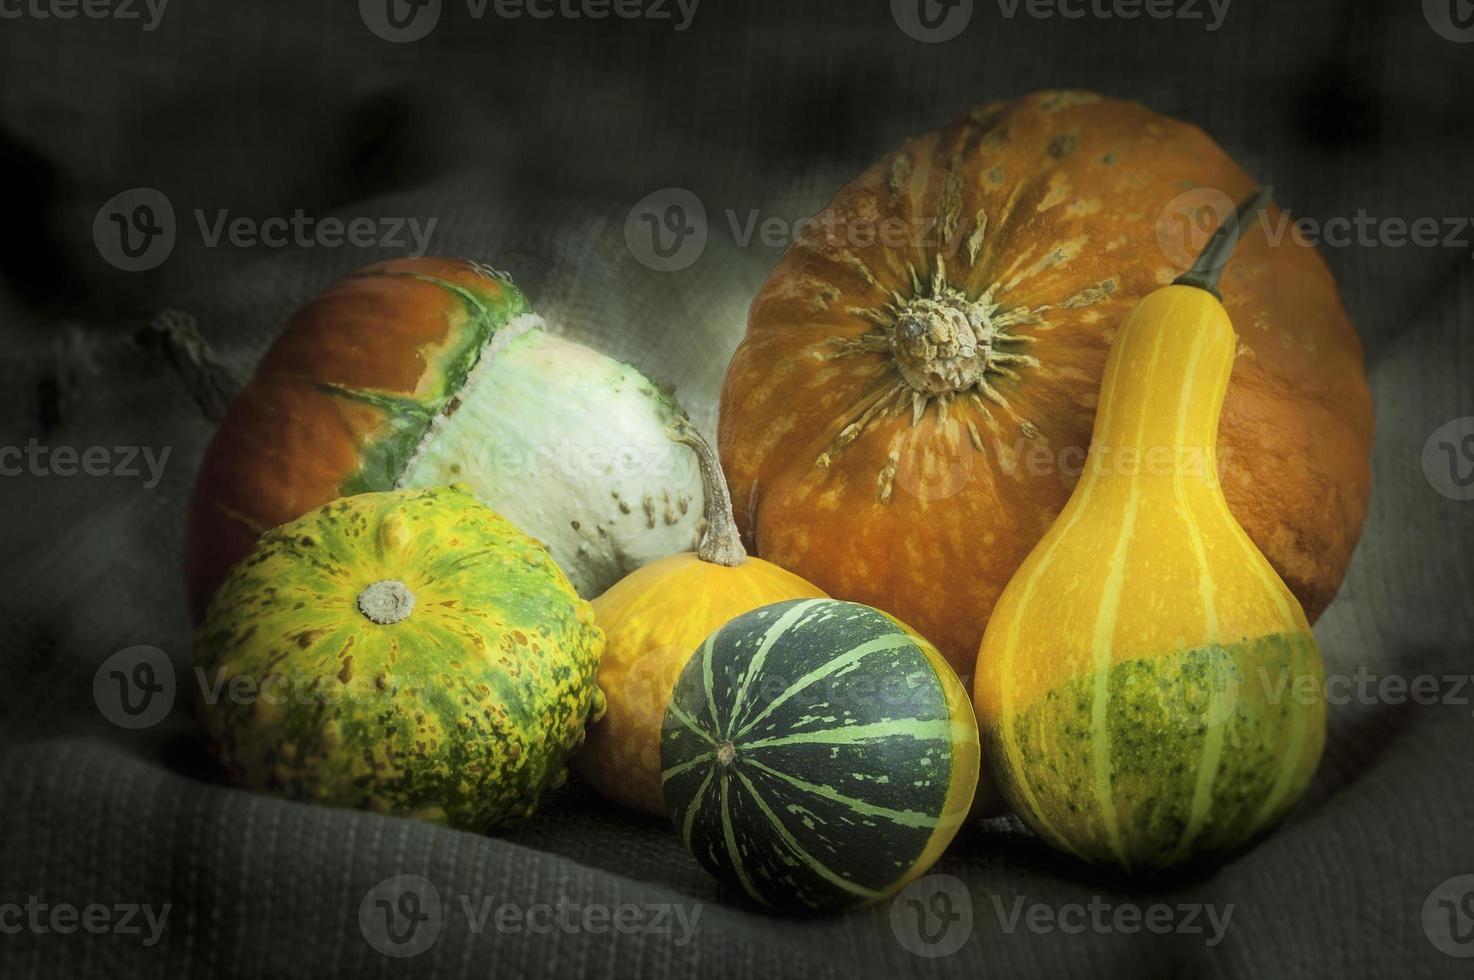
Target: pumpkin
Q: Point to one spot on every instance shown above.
(652, 620)
(425, 372)
(910, 406)
(818, 754)
(407, 652)
(1148, 687)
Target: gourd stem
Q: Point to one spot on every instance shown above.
(386, 602)
(1208, 269)
(720, 542)
(209, 381)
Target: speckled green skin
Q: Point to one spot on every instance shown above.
(1207, 748)
(461, 713)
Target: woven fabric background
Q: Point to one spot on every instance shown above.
(528, 141)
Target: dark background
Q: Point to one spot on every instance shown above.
(529, 142)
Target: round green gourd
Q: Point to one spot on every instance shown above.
(818, 754)
(407, 652)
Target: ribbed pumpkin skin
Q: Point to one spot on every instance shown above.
(653, 619)
(1148, 688)
(853, 755)
(461, 713)
(340, 401)
(1049, 207)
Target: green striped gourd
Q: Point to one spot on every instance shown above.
(407, 652)
(1148, 688)
(818, 754)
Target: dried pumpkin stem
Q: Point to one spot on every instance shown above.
(720, 543)
(209, 381)
(386, 602)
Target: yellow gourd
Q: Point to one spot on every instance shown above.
(654, 619)
(1148, 688)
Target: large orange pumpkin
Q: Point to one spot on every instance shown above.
(912, 402)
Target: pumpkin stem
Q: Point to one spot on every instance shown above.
(386, 602)
(720, 542)
(1207, 270)
(210, 383)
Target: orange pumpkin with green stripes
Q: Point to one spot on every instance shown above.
(1148, 687)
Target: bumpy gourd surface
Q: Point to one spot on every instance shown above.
(462, 712)
(818, 754)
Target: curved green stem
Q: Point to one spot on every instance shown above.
(1208, 269)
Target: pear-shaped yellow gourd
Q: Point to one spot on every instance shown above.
(654, 619)
(1148, 689)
